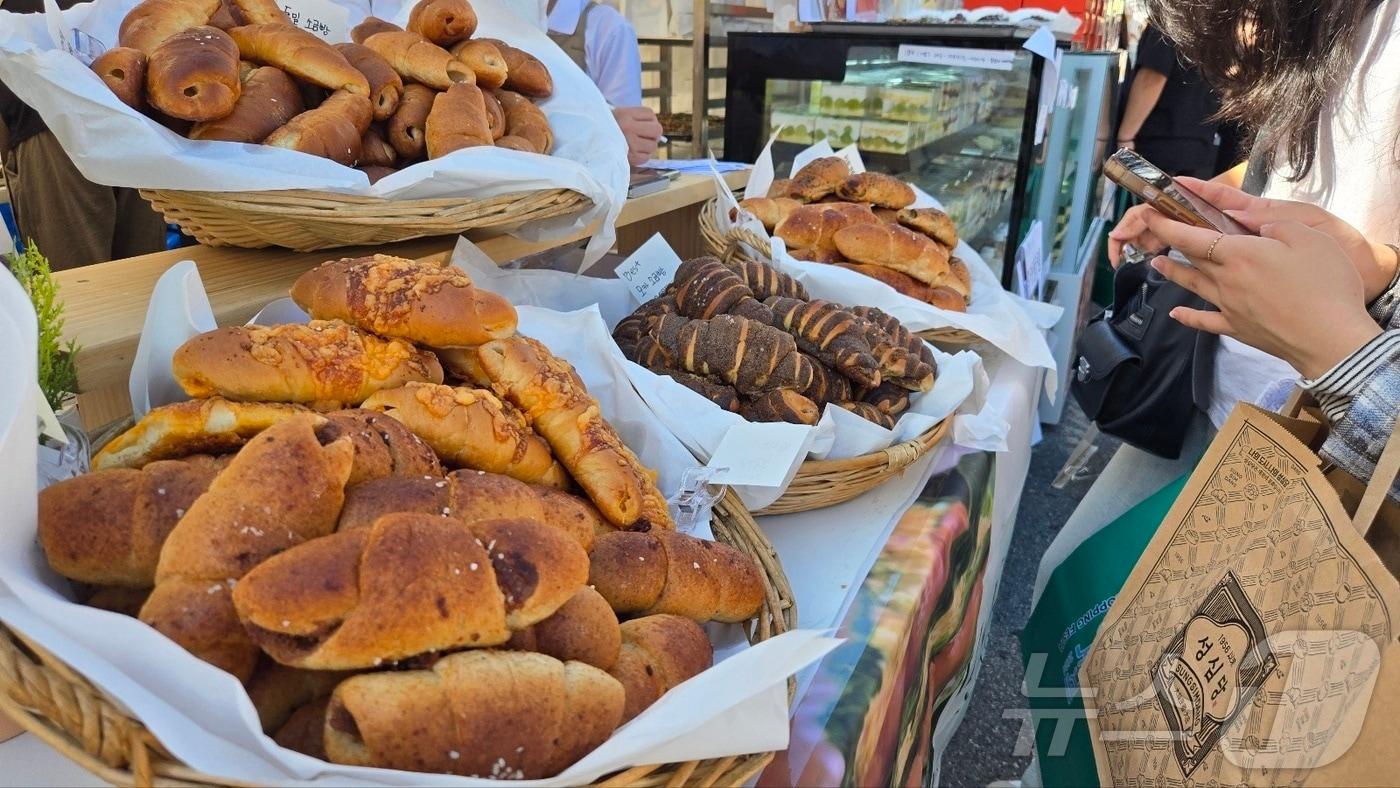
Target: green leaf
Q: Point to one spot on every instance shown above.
(58, 373)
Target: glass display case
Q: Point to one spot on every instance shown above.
(1073, 200)
(951, 112)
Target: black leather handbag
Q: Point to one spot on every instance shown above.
(1134, 370)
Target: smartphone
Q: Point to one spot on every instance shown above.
(1156, 188)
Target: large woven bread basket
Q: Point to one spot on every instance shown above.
(309, 220)
(822, 483)
(49, 699)
(738, 243)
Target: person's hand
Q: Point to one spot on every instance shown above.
(1132, 229)
(1128, 144)
(642, 130)
(1375, 263)
(1291, 292)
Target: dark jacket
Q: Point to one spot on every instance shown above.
(22, 121)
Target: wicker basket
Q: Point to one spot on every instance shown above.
(822, 483)
(309, 220)
(53, 702)
(740, 244)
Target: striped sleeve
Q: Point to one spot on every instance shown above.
(1361, 398)
(1384, 307)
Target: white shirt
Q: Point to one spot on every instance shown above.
(610, 49)
(1356, 176)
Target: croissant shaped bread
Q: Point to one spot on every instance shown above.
(555, 401)
(419, 60)
(319, 362)
(458, 120)
(670, 572)
(815, 226)
(471, 496)
(257, 12)
(485, 60)
(472, 428)
(248, 513)
(584, 629)
(107, 527)
(410, 584)
(199, 426)
(301, 54)
(384, 448)
(385, 84)
(443, 22)
(502, 714)
(406, 125)
(193, 75)
(430, 303)
(370, 26)
(526, 75)
(123, 69)
(525, 121)
(333, 130)
(269, 100)
(148, 24)
(658, 654)
(931, 222)
(817, 179)
(883, 190)
(894, 247)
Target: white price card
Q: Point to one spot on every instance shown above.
(1031, 266)
(758, 454)
(649, 269)
(327, 19)
(993, 59)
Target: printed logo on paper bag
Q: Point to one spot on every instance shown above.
(1210, 671)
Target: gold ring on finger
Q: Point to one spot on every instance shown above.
(1210, 253)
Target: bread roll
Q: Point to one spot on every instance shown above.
(406, 127)
(270, 99)
(495, 116)
(431, 303)
(947, 298)
(815, 226)
(443, 22)
(385, 84)
(300, 54)
(904, 283)
(320, 362)
(525, 73)
(375, 172)
(384, 448)
(526, 121)
(827, 256)
(878, 188)
(335, 130)
(669, 572)
(471, 428)
(419, 60)
(107, 527)
(123, 69)
(584, 629)
(305, 730)
(411, 584)
(782, 405)
(555, 401)
(769, 210)
(959, 278)
(472, 496)
(375, 151)
(281, 489)
(781, 187)
(201, 426)
(502, 714)
(277, 691)
(818, 178)
(193, 75)
(485, 60)
(658, 654)
(261, 12)
(147, 25)
(513, 142)
(227, 17)
(458, 120)
(931, 222)
(370, 26)
(894, 247)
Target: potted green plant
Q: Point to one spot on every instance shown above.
(58, 373)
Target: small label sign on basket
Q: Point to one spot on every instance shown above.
(323, 17)
(649, 269)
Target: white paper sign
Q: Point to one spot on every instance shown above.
(758, 454)
(851, 155)
(322, 17)
(1031, 268)
(649, 269)
(993, 59)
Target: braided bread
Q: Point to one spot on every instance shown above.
(632, 328)
(766, 281)
(411, 584)
(827, 385)
(828, 332)
(870, 413)
(752, 357)
(706, 288)
(783, 405)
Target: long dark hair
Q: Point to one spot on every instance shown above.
(1275, 62)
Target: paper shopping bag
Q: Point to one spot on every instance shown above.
(1255, 642)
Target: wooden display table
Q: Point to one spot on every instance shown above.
(106, 303)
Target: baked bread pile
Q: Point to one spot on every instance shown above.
(864, 222)
(750, 339)
(405, 527)
(241, 71)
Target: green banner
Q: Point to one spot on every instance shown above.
(1062, 627)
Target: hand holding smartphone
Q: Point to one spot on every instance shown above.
(1170, 197)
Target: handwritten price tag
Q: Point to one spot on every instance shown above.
(323, 17)
(649, 269)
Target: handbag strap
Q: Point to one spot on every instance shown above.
(1387, 469)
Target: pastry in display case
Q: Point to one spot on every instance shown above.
(952, 115)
